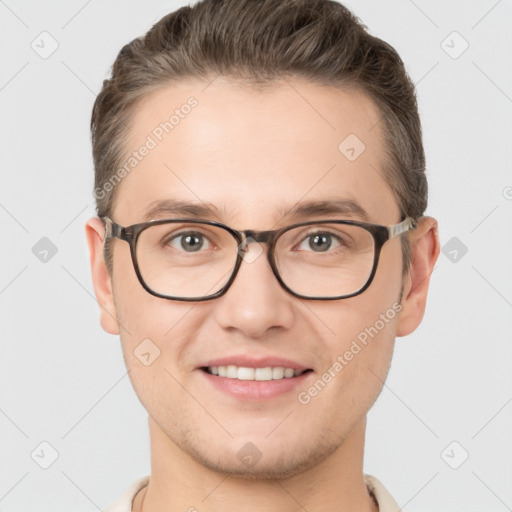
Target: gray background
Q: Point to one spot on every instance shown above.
(63, 380)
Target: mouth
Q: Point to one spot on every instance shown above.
(248, 373)
(255, 378)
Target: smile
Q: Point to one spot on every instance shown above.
(259, 374)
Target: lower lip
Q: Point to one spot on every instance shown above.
(256, 389)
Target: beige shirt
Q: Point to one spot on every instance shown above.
(375, 487)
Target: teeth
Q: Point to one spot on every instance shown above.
(277, 372)
(288, 372)
(245, 373)
(231, 371)
(263, 373)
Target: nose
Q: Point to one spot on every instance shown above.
(255, 303)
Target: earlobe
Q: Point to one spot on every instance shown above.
(102, 282)
(424, 241)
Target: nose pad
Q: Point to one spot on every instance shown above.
(250, 249)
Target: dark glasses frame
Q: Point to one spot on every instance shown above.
(381, 234)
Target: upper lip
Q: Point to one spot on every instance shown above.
(254, 362)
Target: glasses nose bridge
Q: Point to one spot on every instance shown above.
(250, 235)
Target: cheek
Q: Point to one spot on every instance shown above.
(388, 279)
(154, 332)
(141, 314)
(155, 344)
(361, 332)
(358, 336)
(358, 361)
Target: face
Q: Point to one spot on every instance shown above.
(250, 156)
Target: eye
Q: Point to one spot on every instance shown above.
(320, 242)
(188, 241)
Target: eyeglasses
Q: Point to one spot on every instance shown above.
(197, 260)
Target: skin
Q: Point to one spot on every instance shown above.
(250, 153)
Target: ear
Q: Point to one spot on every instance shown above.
(102, 282)
(424, 241)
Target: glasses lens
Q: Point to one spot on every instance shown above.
(186, 260)
(325, 260)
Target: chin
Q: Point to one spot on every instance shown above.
(271, 463)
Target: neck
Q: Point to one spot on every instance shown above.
(178, 482)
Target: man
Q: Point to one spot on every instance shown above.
(260, 243)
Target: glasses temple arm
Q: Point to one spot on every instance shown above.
(407, 224)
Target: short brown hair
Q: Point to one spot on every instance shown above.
(258, 41)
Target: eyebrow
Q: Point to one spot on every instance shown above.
(302, 210)
(181, 208)
(326, 208)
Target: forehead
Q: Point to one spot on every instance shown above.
(251, 154)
